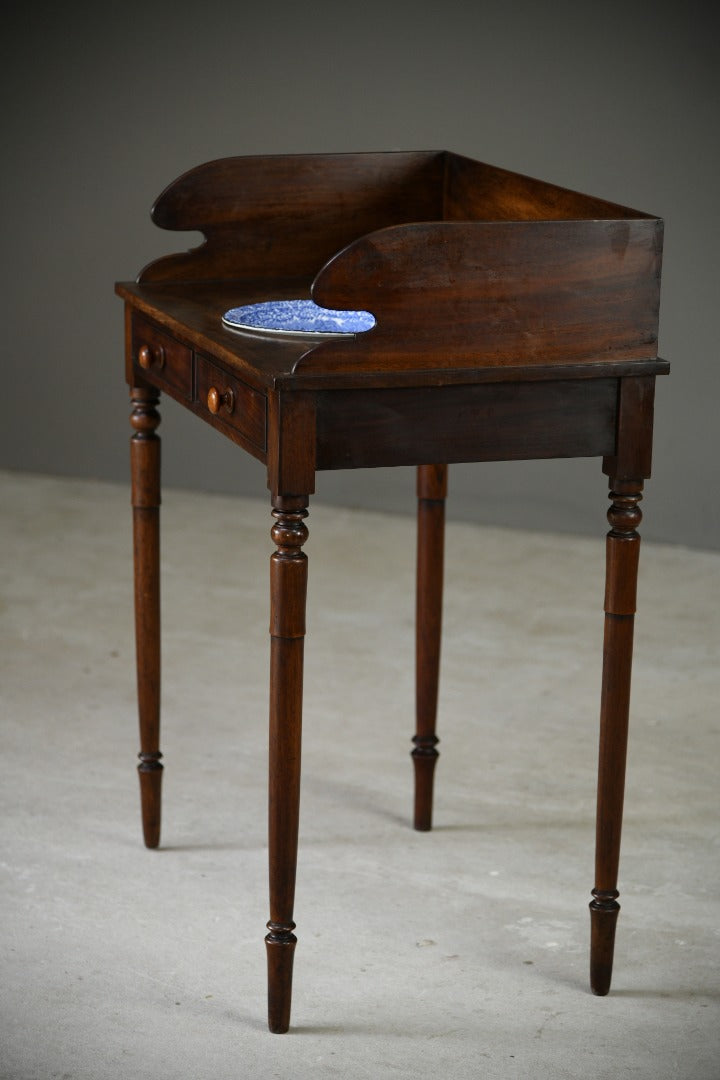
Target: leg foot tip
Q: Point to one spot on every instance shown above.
(280, 944)
(151, 834)
(600, 982)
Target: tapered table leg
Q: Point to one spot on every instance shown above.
(432, 491)
(145, 471)
(288, 587)
(623, 547)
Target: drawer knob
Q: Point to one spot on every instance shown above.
(149, 356)
(219, 399)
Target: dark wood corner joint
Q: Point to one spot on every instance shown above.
(514, 320)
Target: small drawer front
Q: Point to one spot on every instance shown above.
(159, 355)
(231, 402)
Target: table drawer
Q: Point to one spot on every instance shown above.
(161, 356)
(229, 402)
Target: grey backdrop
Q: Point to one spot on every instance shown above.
(105, 104)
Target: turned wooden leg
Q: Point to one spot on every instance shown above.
(432, 491)
(623, 547)
(145, 472)
(288, 587)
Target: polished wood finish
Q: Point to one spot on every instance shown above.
(234, 405)
(162, 354)
(623, 549)
(272, 218)
(151, 357)
(220, 399)
(145, 472)
(487, 422)
(592, 296)
(288, 589)
(514, 320)
(431, 492)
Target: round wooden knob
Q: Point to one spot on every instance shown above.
(217, 399)
(149, 357)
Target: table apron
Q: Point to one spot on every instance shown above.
(483, 422)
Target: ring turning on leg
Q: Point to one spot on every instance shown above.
(623, 547)
(432, 491)
(145, 471)
(288, 588)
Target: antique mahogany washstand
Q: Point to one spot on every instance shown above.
(513, 320)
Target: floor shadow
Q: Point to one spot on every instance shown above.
(685, 994)
(226, 845)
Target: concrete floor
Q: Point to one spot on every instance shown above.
(460, 953)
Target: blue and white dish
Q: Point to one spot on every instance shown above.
(303, 317)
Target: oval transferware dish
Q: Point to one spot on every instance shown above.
(303, 317)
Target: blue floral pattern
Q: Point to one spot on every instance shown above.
(297, 317)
